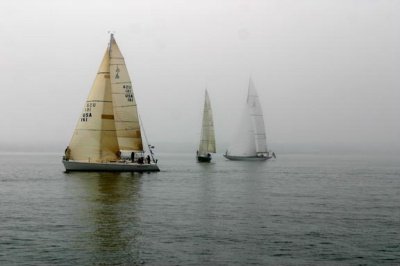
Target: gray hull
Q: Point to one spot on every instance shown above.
(110, 167)
(247, 158)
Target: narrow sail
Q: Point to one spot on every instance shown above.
(207, 140)
(125, 110)
(257, 119)
(94, 138)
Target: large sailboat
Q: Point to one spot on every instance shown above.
(250, 142)
(207, 139)
(108, 136)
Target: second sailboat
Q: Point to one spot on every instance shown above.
(207, 139)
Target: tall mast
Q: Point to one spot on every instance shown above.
(109, 45)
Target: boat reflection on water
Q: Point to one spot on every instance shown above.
(109, 212)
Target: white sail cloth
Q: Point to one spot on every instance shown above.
(207, 139)
(250, 137)
(125, 110)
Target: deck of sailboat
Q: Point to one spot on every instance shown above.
(247, 158)
(109, 166)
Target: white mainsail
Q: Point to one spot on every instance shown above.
(125, 110)
(207, 140)
(94, 138)
(250, 138)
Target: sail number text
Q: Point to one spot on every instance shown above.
(128, 92)
(87, 111)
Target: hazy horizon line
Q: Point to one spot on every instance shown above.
(182, 147)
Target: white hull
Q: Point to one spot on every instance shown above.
(110, 167)
(247, 158)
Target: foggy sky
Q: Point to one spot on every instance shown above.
(325, 71)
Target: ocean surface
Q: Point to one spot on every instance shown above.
(300, 209)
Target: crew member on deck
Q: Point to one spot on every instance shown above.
(67, 153)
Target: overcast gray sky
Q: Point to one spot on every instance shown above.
(326, 71)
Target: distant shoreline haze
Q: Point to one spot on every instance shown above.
(185, 147)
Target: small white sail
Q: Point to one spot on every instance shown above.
(207, 140)
(94, 137)
(125, 109)
(250, 138)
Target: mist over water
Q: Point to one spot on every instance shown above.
(327, 73)
(301, 209)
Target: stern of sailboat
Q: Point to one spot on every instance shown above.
(204, 159)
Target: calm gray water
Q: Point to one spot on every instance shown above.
(297, 210)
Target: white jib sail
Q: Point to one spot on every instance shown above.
(125, 109)
(207, 140)
(94, 138)
(257, 119)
